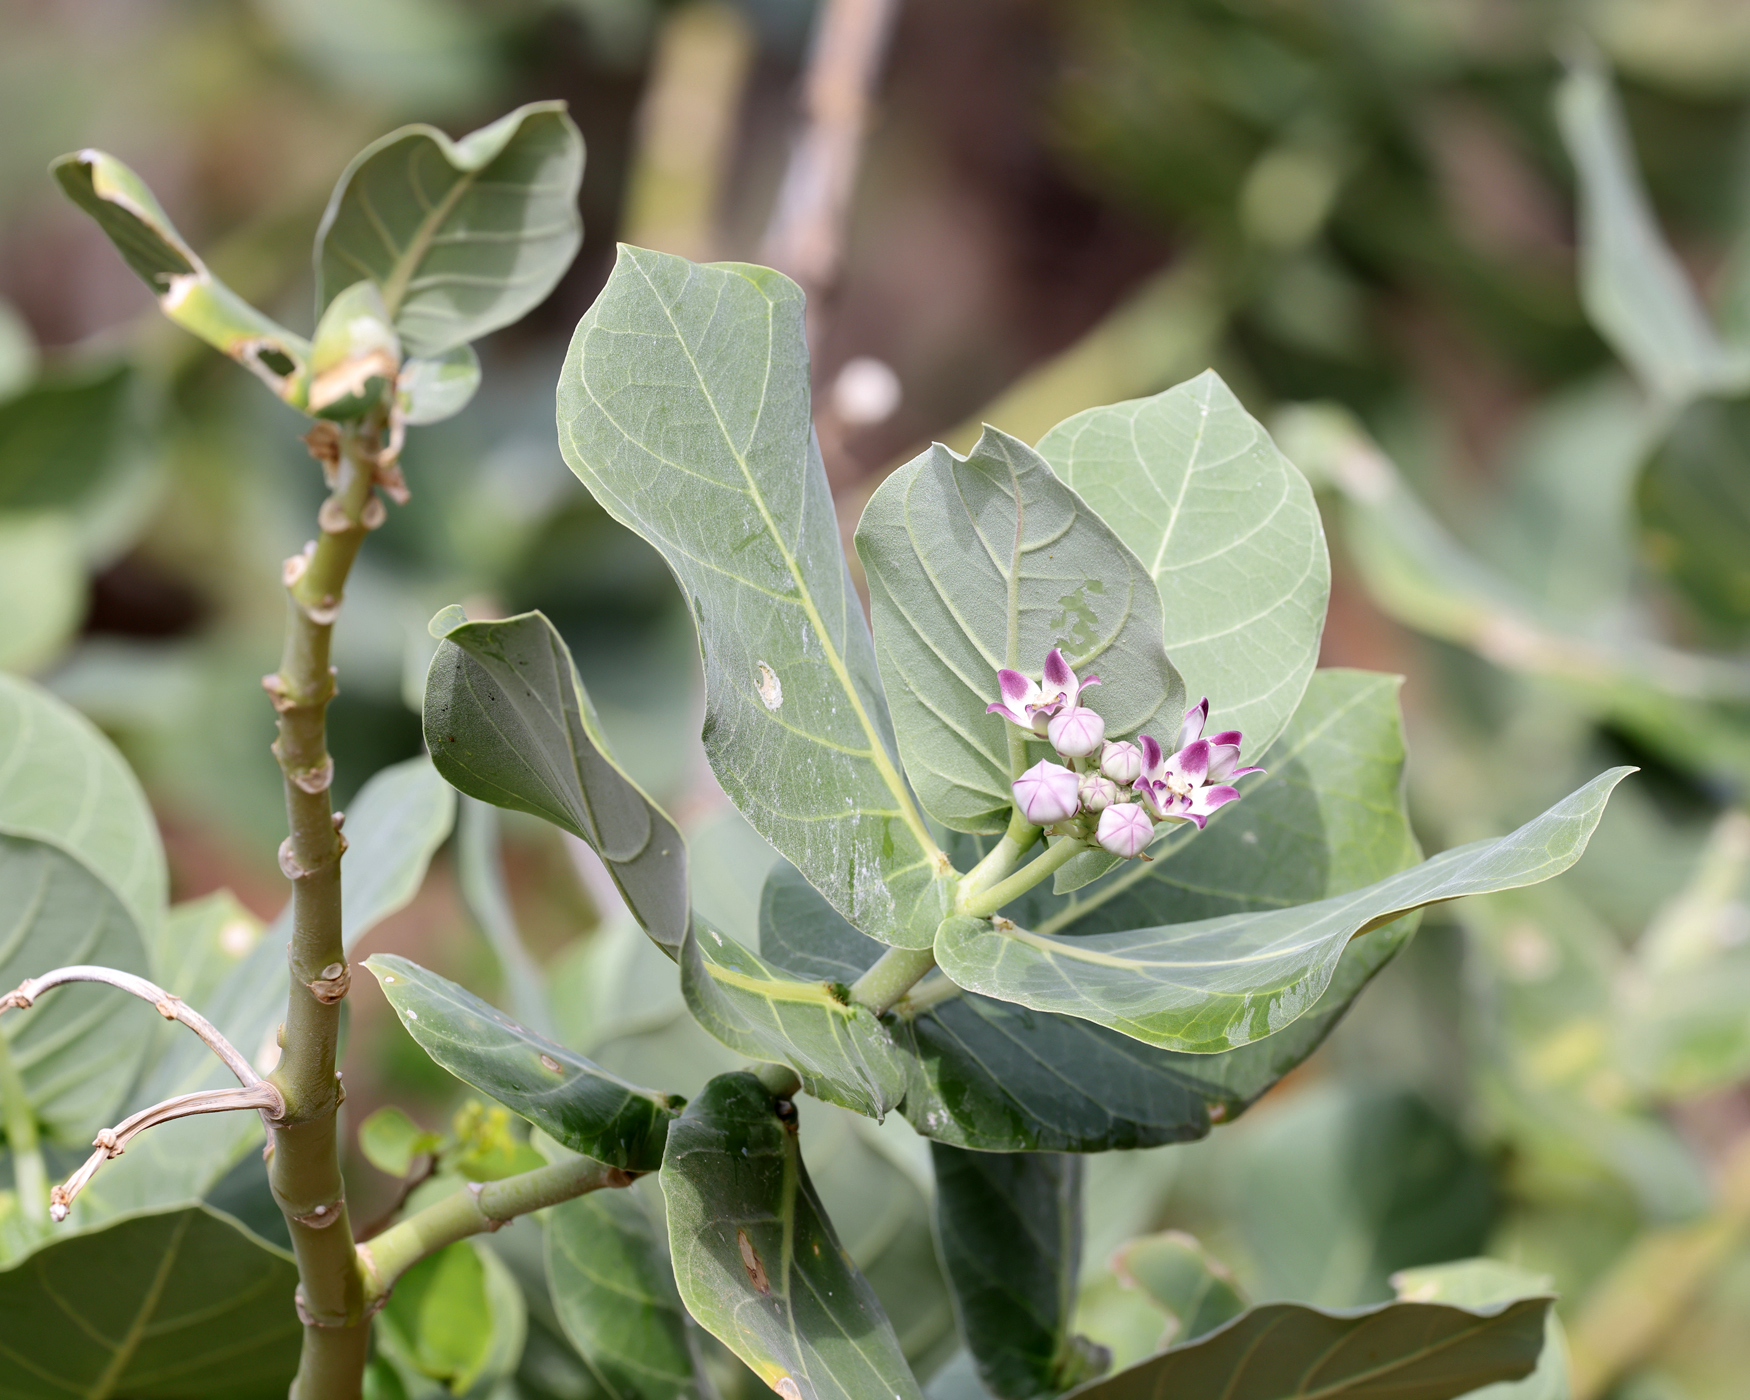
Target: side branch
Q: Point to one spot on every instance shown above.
(170, 1006)
(476, 1209)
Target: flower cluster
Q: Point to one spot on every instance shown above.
(1119, 800)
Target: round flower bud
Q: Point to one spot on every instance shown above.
(1046, 793)
(1076, 732)
(1121, 762)
(1097, 793)
(1125, 830)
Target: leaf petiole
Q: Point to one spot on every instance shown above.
(982, 904)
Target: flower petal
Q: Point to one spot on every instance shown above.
(1191, 763)
(1151, 757)
(1125, 830)
(1195, 718)
(1058, 676)
(1206, 800)
(1046, 793)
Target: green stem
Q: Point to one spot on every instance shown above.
(983, 905)
(474, 1210)
(894, 974)
(304, 1165)
(782, 1081)
(30, 1178)
(1001, 858)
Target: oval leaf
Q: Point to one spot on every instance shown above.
(429, 391)
(1285, 1351)
(507, 721)
(1184, 1281)
(607, 1264)
(572, 1099)
(757, 1261)
(841, 1051)
(1219, 983)
(188, 1305)
(1230, 533)
(684, 407)
(988, 561)
(462, 237)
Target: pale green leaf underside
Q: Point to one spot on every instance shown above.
(42, 585)
(988, 561)
(507, 721)
(607, 1266)
(573, 1100)
(842, 1052)
(1287, 1351)
(62, 782)
(1220, 983)
(757, 1261)
(1230, 533)
(181, 1304)
(683, 406)
(461, 236)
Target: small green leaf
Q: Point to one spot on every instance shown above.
(431, 390)
(462, 237)
(392, 1142)
(1216, 984)
(568, 1097)
(1230, 533)
(1010, 1226)
(184, 1303)
(1632, 285)
(355, 356)
(841, 1051)
(43, 589)
(1284, 1351)
(1694, 508)
(607, 1264)
(1481, 1283)
(457, 1316)
(186, 290)
(63, 440)
(683, 406)
(1190, 1286)
(507, 721)
(758, 1263)
(988, 561)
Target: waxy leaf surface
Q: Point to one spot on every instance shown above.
(461, 236)
(607, 1265)
(507, 721)
(989, 561)
(756, 1259)
(572, 1099)
(1010, 1227)
(683, 406)
(1230, 533)
(1481, 1283)
(1284, 1351)
(1215, 984)
(841, 1051)
(181, 1304)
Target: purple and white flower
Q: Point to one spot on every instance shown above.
(1125, 830)
(1076, 732)
(1047, 793)
(1193, 782)
(1097, 793)
(1121, 762)
(1029, 704)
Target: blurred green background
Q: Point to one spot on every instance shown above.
(1363, 203)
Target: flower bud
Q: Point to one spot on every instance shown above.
(1125, 830)
(1121, 762)
(1097, 793)
(1046, 793)
(1077, 732)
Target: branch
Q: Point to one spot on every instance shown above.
(112, 1142)
(170, 1006)
(479, 1207)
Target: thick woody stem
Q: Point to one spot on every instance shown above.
(304, 1167)
(474, 1210)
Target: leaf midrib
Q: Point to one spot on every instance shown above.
(396, 287)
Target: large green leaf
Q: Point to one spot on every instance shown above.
(1230, 533)
(177, 1306)
(841, 1051)
(1632, 285)
(394, 825)
(1215, 984)
(507, 721)
(572, 1099)
(757, 1261)
(684, 407)
(186, 289)
(988, 561)
(614, 1291)
(1481, 1283)
(1010, 1226)
(461, 236)
(63, 783)
(1284, 1351)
